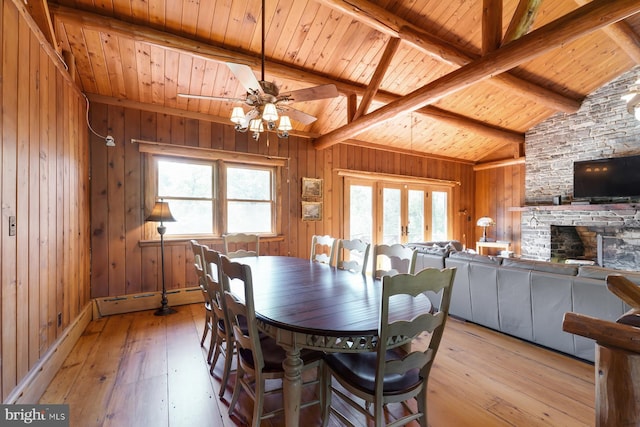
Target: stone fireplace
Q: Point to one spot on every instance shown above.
(609, 235)
(601, 128)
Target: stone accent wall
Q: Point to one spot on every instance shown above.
(601, 128)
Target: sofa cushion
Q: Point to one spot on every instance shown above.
(548, 267)
(601, 273)
(446, 245)
(467, 256)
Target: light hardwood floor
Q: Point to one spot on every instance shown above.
(142, 370)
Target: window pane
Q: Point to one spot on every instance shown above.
(361, 213)
(253, 217)
(192, 217)
(416, 216)
(248, 184)
(177, 179)
(391, 216)
(439, 215)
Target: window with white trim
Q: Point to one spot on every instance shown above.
(212, 194)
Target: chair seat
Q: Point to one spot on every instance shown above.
(359, 370)
(242, 322)
(273, 355)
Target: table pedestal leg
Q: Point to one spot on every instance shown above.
(292, 386)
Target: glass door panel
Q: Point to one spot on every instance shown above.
(439, 227)
(391, 216)
(415, 225)
(361, 212)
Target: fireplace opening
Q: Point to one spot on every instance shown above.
(575, 244)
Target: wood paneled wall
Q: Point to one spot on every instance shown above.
(121, 265)
(497, 190)
(44, 184)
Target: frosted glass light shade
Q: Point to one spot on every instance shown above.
(237, 115)
(285, 124)
(255, 125)
(270, 113)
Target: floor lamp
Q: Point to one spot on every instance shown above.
(162, 214)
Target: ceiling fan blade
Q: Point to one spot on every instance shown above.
(299, 116)
(310, 94)
(245, 76)
(210, 97)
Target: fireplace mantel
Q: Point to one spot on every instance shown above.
(589, 207)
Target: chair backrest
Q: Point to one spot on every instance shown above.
(323, 249)
(352, 255)
(198, 262)
(242, 314)
(433, 322)
(389, 260)
(238, 245)
(215, 286)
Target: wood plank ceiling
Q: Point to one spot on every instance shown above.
(450, 78)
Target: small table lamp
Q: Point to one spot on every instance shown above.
(161, 213)
(485, 222)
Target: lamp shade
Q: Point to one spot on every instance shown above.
(255, 125)
(285, 124)
(237, 115)
(161, 213)
(485, 221)
(270, 113)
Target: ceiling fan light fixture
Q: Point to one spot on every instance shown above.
(284, 127)
(255, 125)
(270, 114)
(285, 124)
(237, 115)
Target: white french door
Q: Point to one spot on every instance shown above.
(391, 212)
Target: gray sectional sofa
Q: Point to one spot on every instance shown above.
(527, 299)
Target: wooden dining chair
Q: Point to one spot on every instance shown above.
(259, 357)
(352, 255)
(392, 374)
(238, 245)
(201, 272)
(389, 260)
(224, 344)
(323, 249)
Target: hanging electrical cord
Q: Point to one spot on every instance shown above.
(109, 140)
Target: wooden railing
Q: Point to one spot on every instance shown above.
(617, 356)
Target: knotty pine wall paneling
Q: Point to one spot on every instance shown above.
(122, 265)
(44, 184)
(497, 190)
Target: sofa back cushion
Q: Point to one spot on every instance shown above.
(466, 256)
(601, 273)
(547, 267)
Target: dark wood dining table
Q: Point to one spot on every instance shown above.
(305, 304)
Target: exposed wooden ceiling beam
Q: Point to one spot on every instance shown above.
(522, 20)
(39, 11)
(623, 35)
(581, 21)
(378, 75)
(394, 26)
(165, 40)
(491, 25)
(475, 126)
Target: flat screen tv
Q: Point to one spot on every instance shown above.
(607, 178)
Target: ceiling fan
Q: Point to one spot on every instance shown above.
(265, 100)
